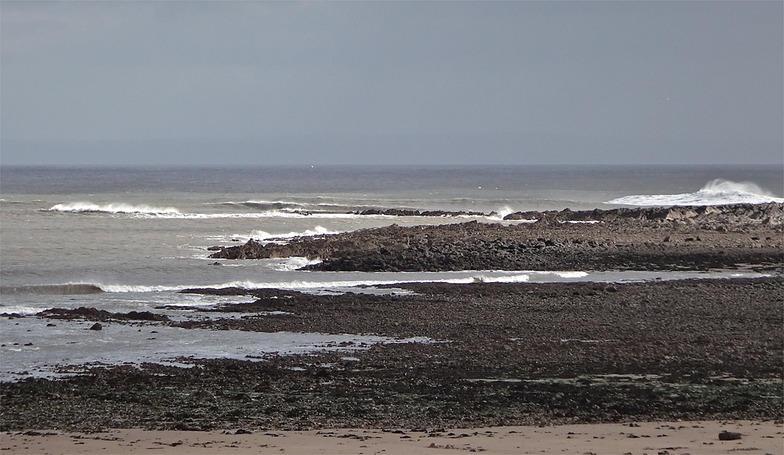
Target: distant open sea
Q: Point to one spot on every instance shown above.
(124, 239)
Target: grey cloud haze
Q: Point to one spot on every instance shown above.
(393, 82)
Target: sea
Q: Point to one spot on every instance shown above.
(129, 239)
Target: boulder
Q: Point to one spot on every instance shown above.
(729, 436)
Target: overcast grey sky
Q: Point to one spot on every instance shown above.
(253, 83)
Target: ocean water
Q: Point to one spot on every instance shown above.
(127, 239)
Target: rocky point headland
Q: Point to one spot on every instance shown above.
(696, 238)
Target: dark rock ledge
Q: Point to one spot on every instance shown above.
(541, 353)
(686, 238)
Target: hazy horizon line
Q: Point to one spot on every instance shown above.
(385, 165)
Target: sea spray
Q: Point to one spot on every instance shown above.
(501, 213)
(715, 192)
(316, 231)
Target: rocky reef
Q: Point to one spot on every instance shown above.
(502, 354)
(691, 238)
(507, 354)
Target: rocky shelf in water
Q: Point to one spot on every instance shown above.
(675, 238)
(414, 212)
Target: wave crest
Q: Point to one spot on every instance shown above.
(715, 192)
(721, 186)
(264, 236)
(89, 207)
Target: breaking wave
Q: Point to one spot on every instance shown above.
(266, 236)
(715, 192)
(500, 214)
(271, 205)
(250, 210)
(290, 264)
(270, 214)
(521, 278)
(295, 208)
(293, 263)
(121, 288)
(146, 211)
(351, 283)
(89, 207)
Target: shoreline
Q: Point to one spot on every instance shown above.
(506, 354)
(503, 354)
(664, 438)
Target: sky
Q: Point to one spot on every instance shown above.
(459, 83)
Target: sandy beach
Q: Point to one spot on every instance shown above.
(662, 438)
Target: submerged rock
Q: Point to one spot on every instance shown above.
(94, 314)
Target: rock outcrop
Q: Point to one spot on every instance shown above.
(693, 238)
(709, 217)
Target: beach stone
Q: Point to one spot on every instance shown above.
(729, 436)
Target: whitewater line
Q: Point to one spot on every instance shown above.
(715, 192)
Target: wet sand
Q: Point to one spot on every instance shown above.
(663, 438)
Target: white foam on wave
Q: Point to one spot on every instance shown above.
(514, 278)
(23, 310)
(500, 214)
(304, 207)
(715, 192)
(267, 237)
(123, 288)
(119, 207)
(147, 211)
(571, 274)
(522, 278)
(294, 263)
(316, 231)
(290, 264)
(328, 283)
(271, 203)
(271, 214)
(408, 277)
